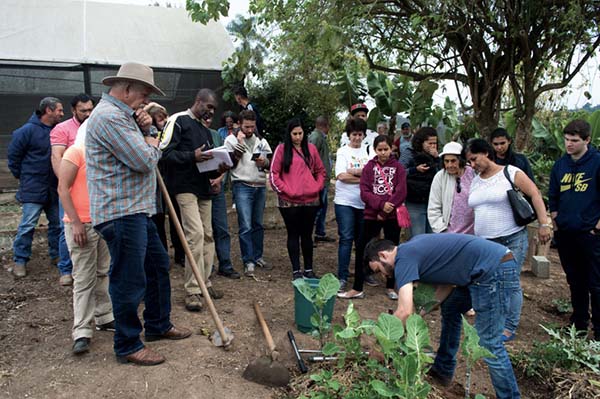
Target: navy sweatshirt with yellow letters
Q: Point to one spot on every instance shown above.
(574, 191)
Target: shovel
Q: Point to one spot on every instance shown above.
(223, 336)
(267, 370)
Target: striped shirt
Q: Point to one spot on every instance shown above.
(121, 166)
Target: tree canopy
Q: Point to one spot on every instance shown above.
(507, 52)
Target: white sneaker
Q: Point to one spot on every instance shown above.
(249, 269)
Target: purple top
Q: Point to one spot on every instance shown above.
(462, 217)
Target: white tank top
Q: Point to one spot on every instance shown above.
(488, 198)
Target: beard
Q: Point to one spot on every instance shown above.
(389, 268)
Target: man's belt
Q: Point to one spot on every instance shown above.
(507, 257)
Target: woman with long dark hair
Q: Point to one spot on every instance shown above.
(504, 154)
(297, 176)
(421, 169)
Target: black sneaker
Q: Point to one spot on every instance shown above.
(81, 345)
(297, 275)
(309, 274)
(343, 284)
(371, 282)
(324, 239)
(441, 379)
(110, 326)
(230, 273)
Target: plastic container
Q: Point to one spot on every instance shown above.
(303, 309)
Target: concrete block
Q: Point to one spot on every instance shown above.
(540, 266)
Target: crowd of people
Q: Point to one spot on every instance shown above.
(107, 230)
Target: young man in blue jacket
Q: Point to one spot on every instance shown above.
(574, 199)
(29, 161)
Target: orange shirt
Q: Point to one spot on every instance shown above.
(79, 192)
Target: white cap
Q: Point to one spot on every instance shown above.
(451, 148)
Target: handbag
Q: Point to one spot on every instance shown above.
(521, 208)
(402, 215)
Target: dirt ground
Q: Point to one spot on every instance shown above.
(36, 320)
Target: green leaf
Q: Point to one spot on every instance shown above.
(330, 349)
(424, 297)
(409, 368)
(389, 327)
(352, 318)
(349, 87)
(305, 289)
(329, 285)
(417, 337)
(594, 121)
(347, 333)
(382, 389)
(314, 320)
(470, 345)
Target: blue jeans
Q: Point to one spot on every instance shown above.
(350, 228)
(64, 260)
(491, 295)
(517, 243)
(139, 269)
(321, 213)
(419, 224)
(250, 207)
(29, 219)
(221, 231)
(457, 303)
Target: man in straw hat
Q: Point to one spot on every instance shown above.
(122, 154)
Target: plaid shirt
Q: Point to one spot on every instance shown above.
(121, 175)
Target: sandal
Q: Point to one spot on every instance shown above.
(346, 295)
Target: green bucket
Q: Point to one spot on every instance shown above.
(303, 309)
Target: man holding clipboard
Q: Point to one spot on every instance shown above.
(187, 142)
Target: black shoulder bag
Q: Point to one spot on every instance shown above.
(521, 208)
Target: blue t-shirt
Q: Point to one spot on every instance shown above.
(455, 259)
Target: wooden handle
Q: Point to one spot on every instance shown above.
(188, 253)
(265, 328)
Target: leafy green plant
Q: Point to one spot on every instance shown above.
(567, 349)
(318, 297)
(472, 351)
(405, 354)
(562, 305)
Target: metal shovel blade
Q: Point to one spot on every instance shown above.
(267, 372)
(217, 340)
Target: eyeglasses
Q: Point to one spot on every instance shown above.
(458, 188)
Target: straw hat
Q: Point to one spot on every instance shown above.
(134, 72)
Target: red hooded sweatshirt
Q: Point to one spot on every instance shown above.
(301, 185)
(380, 184)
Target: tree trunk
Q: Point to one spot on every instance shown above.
(486, 106)
(524, 117)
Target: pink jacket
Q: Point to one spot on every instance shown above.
(302, 184)
(380, 184)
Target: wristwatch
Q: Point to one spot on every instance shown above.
(548, 225)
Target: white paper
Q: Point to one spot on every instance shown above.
(220, 155)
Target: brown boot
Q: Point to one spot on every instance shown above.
(193, 303)
(19, 270)
(174, 333)
(214, 294)
(143, 357)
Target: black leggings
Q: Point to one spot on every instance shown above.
(371, 229)
(299, 222)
